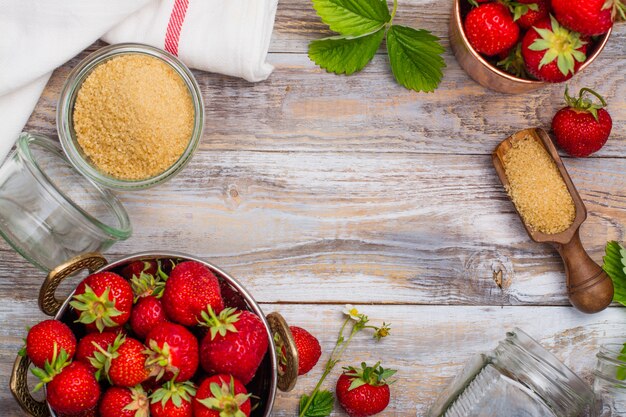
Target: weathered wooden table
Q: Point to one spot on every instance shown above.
(316, 190)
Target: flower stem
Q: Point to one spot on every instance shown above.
(393, 11)
(332, 361)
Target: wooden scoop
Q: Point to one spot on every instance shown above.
(589, 288)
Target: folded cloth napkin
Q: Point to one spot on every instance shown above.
(226, 36)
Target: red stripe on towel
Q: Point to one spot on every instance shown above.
(172, 35)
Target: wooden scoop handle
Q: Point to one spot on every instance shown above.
(589, 288)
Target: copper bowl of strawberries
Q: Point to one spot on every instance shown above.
(157, 334)
(517, 46)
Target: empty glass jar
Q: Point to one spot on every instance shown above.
(50, 213)
(519, 378)
(610, 381)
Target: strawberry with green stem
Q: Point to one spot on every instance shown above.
(125, 402)
(364, 391)
(320, 402)
(123, 363)
(173, 399)
(222, 396)
(90, 344)
(589, 17)
(551, 52)
(235, 344)
(149, 282)
(103, 300)
(172, 352)
(582, 127)
(71, 387)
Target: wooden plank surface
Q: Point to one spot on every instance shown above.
(315, 190)
(429, 344)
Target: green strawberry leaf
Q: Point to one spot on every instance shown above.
(353, 17)
(345, 55)
(615, 267)
(415, 58)
(321, 405)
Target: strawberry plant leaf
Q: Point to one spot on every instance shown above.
(615, 267)
(415, 58)
(353, 17)
(345, 55)
(321, 405)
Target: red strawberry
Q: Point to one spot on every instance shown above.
(173, 400)
(582, 127)
(235, 344)
(221, 396)
(490, 29)
(87, 346)
(124, 402)
(528, 12)
(364, 392)
(189, 290)
(43, 338)
(589, 17)
(103, 300)
(173, 351)
(123, 363)
(71, 388)
(134, 269)
(147, 314)
(551, 52)
(309, 349)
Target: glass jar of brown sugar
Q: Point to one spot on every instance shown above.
(130, 116)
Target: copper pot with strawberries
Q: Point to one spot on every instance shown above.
(521, 46)
(167, 324)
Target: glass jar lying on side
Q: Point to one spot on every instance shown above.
(517, 379)
(610, 381)
(50, 213)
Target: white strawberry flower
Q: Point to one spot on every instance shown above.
(352, 311)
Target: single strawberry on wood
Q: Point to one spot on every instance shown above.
(364, 391)
(71, 387)
(490, 29)
(173, 399)
(221, 396)
(235, 344)
(588, 17)
(189, 290)
(582, 127)
(45, 338)
(551, 52)
(124, 402)
(172, 352)
(103, 300)
(309, 349)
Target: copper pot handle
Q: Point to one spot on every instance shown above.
(287, 372)
(48, 303)
(19, 389)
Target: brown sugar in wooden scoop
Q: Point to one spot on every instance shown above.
(589, 288)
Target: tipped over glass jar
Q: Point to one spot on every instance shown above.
(519, 378)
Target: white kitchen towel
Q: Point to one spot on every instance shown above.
(227, 36)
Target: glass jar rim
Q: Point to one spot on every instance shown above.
(66, 105)
(23, 149)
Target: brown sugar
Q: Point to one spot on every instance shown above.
(133, 117)
(537, 187)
